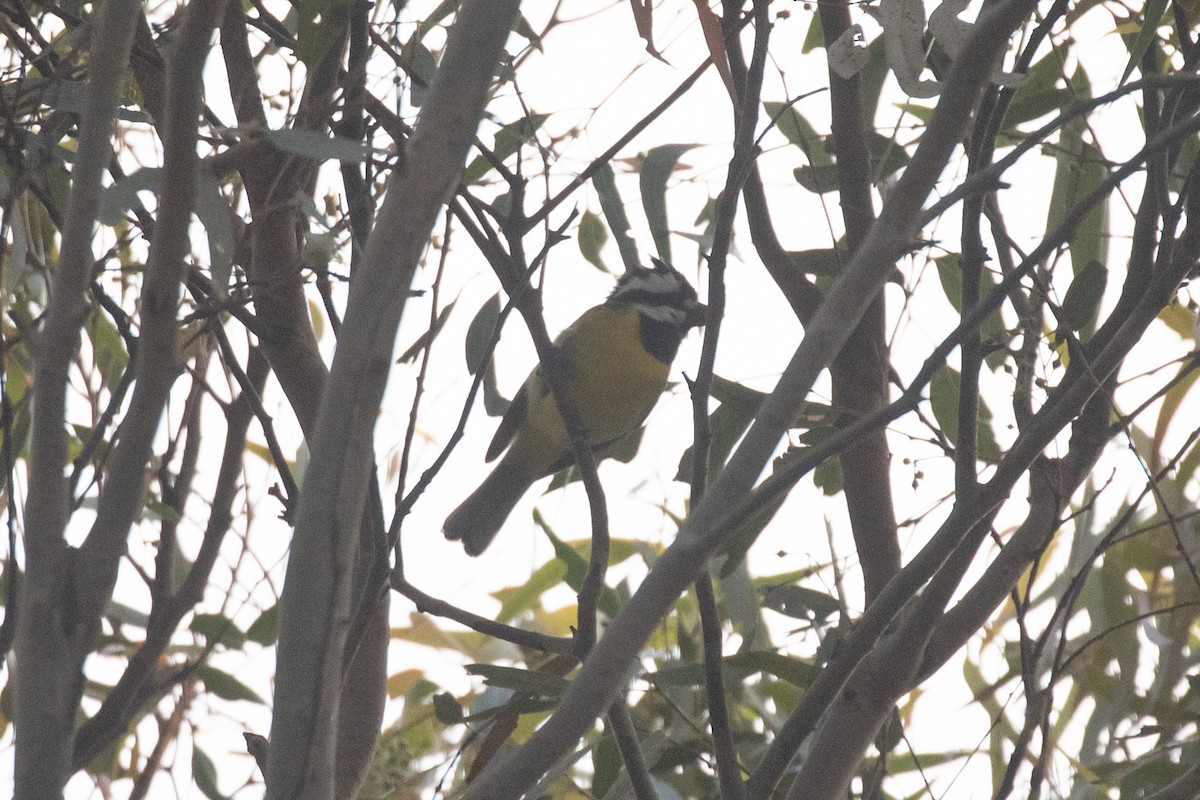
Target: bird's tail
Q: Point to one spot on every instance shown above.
(477, 521)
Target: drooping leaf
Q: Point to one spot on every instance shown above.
(508, 141)
(800, 602)
(218, 629)
(480, 333)
(1041, 94)
(314, 35)
(265, 629)
(738, 668)
(225, 686)
(606, 762)
(542, 684)
(657, 167)
(577, 567)
(1171, 404)
(592, 236)
(426, 338)
(447, 709)
(108, 348)
(714, 38)
(204, 773)
(604, 182)
(949, 267)
(944, 390)
(726, 425)
(903, 24)
(419, 63)
(643, 18)
(1082, 301)
(1080, 170)
(822, 261)
(213, 211)
(317, 146)
(122, 195)
(1154, 11)
(622, 451)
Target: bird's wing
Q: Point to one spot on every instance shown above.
(514, 417)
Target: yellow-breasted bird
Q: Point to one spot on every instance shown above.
(616, 357)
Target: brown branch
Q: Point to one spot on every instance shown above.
(631, 752)
(124, 700)
(319, 591)
(729, 771)
(48, 642)
(860, 372)
(428, 604)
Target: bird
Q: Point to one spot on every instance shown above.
(616, 360)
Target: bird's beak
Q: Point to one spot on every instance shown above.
(697, 313)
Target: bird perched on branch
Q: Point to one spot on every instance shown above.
(616, 358)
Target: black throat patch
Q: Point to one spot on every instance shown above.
(660, 339)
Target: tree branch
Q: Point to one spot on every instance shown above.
(317, 594)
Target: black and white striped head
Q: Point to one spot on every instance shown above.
(666, 302)
(660, 294)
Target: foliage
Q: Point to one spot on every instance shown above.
(941, 449)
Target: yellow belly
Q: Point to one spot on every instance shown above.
(614, 382)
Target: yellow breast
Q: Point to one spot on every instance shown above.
(614, 382)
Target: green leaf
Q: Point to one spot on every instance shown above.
(1155, 9)
(1040, 95)
(622, 451)
(480, 333)
(797, 130)
(218, 629)
(447, 709)
(526, 596)
(1080, 170)
(606, 762)
(592, 236)
(577, 567)
(738, 668)
(225, 686)
(605, 184)
(944, 390)
(426, 338)
(204, 773)
(108, 348)
(1082, 301)
(657, 167)
(418, 62)
(507, 142)
(817, 179)
(726, 425)
(163, 512)
(823, 261)
(477, 343)
(950, 274)
(315, 36)
(541, 684)
(318, 146)
(800, 603)
(828, 477)
(126, 615)
(793, 670)
(212, 210)
(265, 629)
(122, 195)
(746, 534)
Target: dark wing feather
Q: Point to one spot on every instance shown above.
(512, 420)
